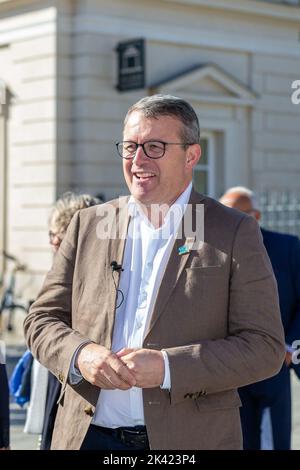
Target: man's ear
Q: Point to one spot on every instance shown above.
(257, 214)
(193, 155)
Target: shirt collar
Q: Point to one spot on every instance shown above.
(180, 202)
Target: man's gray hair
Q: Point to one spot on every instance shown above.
(243, 191)
(167, 105)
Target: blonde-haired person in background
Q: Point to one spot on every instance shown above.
(45, 387)
(64, 209)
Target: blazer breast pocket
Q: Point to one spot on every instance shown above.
(208, 280)
(216, 270)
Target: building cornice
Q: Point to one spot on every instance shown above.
(286, 11)
(254, 7)
(280, 11)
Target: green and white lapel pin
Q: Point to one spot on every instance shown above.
(186, 248)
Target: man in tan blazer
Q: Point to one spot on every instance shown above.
(149, 332)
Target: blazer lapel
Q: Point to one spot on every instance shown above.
(179, 256)
(115, 252)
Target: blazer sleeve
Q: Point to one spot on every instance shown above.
(48, 326)
(254, 348)
(4, 408)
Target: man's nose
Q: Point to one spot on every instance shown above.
(140, 155)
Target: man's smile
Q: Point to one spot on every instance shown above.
(144, 175)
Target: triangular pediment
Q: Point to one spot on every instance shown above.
(209, 83)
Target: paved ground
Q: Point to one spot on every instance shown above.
(19, 440)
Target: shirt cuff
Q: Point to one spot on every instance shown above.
(75, 376)
(167, 379)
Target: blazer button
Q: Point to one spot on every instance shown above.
(89, 411)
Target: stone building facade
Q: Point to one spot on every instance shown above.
(60, 110)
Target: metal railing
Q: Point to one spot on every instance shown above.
(8, 299)
(280, 211)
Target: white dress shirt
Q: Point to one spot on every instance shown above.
(147, 251)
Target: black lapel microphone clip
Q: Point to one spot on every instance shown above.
(115, 266)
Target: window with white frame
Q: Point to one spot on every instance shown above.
(204, 172)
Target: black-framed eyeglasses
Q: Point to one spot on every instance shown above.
(152, 149)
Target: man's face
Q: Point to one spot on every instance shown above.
(55, 240)
(158, 181)
(241, 202)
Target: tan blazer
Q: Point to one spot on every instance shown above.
(216, 315)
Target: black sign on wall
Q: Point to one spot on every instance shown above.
(131, 65)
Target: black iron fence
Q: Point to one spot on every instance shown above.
(280, 211)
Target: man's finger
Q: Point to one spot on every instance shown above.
(122, 371)
(103, 383)
(130, 365)
(115, 380)
(125, 351)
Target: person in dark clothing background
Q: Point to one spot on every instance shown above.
(266, 412)
(4, 408)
